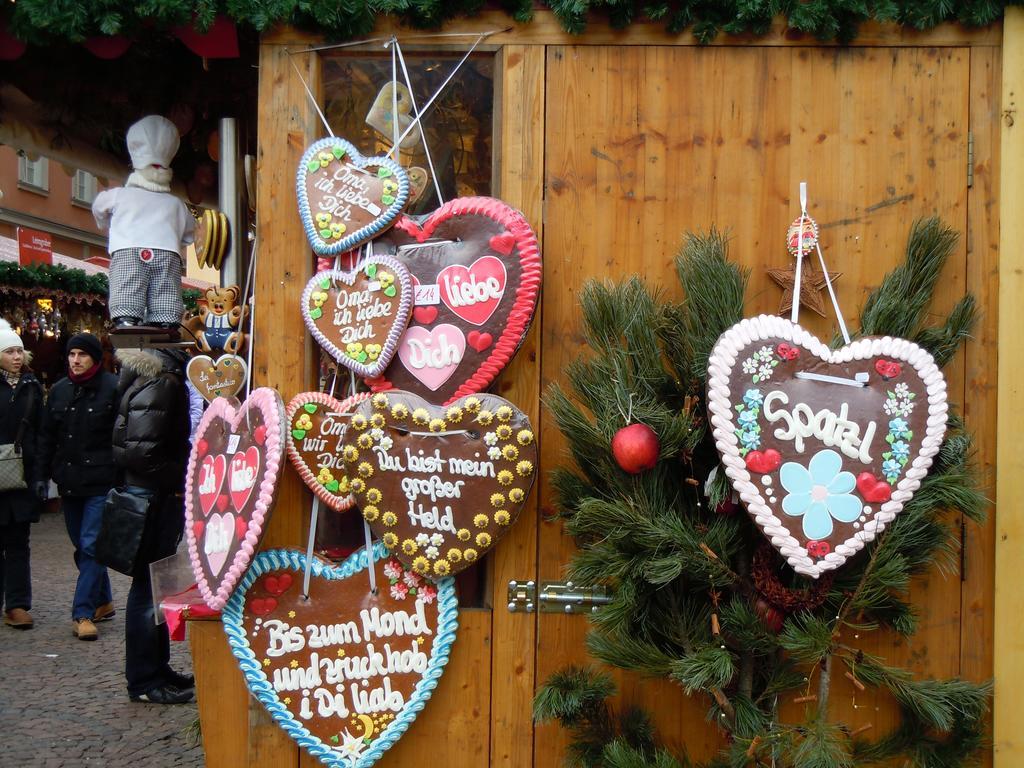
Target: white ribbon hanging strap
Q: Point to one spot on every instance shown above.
(423, 133)
(309, 545)
(832, 295)
(371, 567)
(794, 313)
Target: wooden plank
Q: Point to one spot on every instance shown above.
(735, 155)
(519, 153)
(545, 29)
(1009, 598)
(218, 679)
(981, 357)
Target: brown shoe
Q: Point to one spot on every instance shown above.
(18, 618)
(104, 613)
(84, 629)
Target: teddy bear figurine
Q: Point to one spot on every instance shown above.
(217, 326)
(149, 229)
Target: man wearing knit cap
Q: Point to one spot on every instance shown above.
(149, 228)
(75, 444)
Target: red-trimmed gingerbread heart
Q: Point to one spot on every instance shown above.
(477, 264)
(440, 485)
(850, 434)
(317, 425)
(221, 550)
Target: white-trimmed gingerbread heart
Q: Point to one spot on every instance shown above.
(230, 488)
(824, 447)
(358, 316)
(346, 199)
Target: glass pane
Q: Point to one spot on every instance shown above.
(458, 125)
(458, 128)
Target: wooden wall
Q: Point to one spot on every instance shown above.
(615, 144)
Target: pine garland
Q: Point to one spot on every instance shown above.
(685, 603)
(46, 21)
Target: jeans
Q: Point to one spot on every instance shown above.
(147, 645)
(15, 577)
(83, 516)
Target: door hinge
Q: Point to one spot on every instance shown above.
(970, 159)
(556, 597)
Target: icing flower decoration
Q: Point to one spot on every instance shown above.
(349, 453)
(343, 486)
(524, 467)
(365, 469)
(358, 422)
(399, 591)
(420, 416)
(490, 438)
(494, 453)
(442, 568)
(357, 485)
(377, 420)
(454, 555)
(463, 534)
(409, 547)
(483, 539)
(431, 553)
(747, 419)
(412, 580)
(370, 512)
(454, 414)
(516, 495)
(351, 746)
(376, 433)
(485, 417)
(421, 565)
(819, 493)
(427, 593)
(386, 443)
(386, 279)
(436, 539)
(324, 158)
(505, 477)
(504, 413)
(389, 519)
(502, 517)
(380, 400)
(365, 440)
(337, 229)
(374, 496)
(393, 569)
(524, 437)
(390, 540)
(472, 404)
(470, 555)
(497, 500)
(437, 425)
(480, 521)
(323, 220)
(510, 452)
(422, 539)
(400, 410)
(354, 350)
(504, 432)
(373, 351)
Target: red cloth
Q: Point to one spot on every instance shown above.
(219, 42)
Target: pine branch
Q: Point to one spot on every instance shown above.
(942, 341)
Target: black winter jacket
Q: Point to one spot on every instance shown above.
(151, 429)
(75, 443)
(25, 400)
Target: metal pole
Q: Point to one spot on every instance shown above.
(230, 201)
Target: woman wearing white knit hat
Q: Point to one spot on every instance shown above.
(21, 407)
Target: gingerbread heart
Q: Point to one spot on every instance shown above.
(344, 198)
(440, 485)
(853, 438)
(236, 474)
(223, 377)
(343, 672)
(317, 425)
(359, 316)
(477, 263)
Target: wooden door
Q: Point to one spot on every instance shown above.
(645, 143)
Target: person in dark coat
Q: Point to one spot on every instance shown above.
(151, 449)
(21, 408)
(75, 445)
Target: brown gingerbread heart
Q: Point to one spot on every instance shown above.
(440, 485)
(223, 377)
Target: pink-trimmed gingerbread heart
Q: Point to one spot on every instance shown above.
(477, 263)
(221, 550)
(824, 446)
(317, 425)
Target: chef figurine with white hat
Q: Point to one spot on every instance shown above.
(149, 229)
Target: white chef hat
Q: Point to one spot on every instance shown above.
(8, 338)
(153, 140)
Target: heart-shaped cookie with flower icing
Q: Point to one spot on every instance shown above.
(824, 446)
(440, 485)
(344, 198)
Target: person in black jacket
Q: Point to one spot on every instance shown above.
(76, 451)
(21, 407)
(151, 448)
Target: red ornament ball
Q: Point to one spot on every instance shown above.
(771, 617)
(636, 448)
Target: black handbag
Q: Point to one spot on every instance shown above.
(123, 530)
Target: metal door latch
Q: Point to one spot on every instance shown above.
(556, 597)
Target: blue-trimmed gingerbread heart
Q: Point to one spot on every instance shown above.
(344, 672)
(346, 199)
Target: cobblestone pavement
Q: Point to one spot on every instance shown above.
(63, 702)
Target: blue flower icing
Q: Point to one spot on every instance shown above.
(256, 679)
